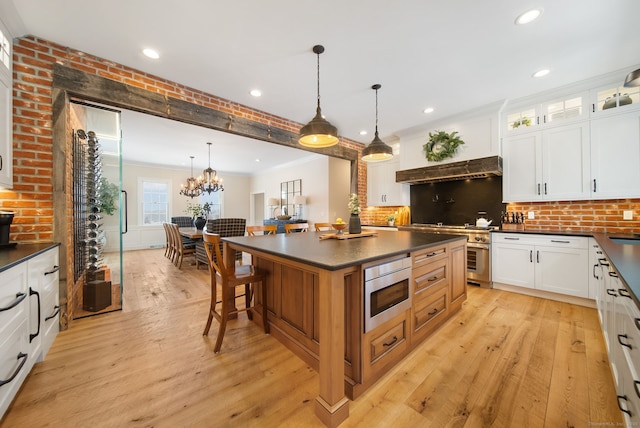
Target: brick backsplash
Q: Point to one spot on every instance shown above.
(593, 216)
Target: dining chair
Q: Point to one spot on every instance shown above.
(298, 227)
(225, 227)
(184, 221)
(180, 248)
(322, 226)
(247, 275)
(168, 247)
(269, 229)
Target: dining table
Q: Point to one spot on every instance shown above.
(190, 232)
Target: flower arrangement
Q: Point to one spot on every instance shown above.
(354, 204)
(441, 145)
(197, 210)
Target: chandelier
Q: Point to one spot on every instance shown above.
(209, 181)
(192, 187)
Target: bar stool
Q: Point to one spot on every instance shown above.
(299, 227)
(228, 280)
(322, 226)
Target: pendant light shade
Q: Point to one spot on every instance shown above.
(633, 79)
(377, 150)
(319, 132)
(192, 187)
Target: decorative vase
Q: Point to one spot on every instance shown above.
(199, 222)
(354, 224)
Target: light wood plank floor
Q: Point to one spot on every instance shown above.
(506, 360)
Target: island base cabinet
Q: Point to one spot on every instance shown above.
(384, 346)
(429, 311)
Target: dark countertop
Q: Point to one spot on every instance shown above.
(10, 257)
(625, 259)
(334, 254)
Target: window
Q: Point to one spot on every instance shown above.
(215, 203)
(155, 201)
(5, 50)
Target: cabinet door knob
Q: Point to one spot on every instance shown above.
(623, 397)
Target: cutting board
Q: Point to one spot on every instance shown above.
(347, 235)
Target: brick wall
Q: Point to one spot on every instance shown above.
(33, 58)
(595, 216)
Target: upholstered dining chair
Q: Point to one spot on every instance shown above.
(225, 227)
(228, 280)
(322, 226)
(298, 227)
(269, 229)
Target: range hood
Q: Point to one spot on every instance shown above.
(473, 168)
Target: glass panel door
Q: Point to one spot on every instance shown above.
(99, 210)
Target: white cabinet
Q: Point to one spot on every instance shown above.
(596, 274)
(382, 189)
(6, 97)
(613, 99)
(28, 319)
(547, 165)
(615, 156)
(558, 264)
(563, 109)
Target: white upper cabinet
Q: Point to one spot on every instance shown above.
(615, 156)
(6, 96)
(547, 165)
(382, 189)
(536, 116)
(613, 99)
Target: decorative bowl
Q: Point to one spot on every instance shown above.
(283, 217)
(339, 227)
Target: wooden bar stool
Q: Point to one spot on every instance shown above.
(322, 226)
(228, 280)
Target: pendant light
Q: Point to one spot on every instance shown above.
(319, 132)
(192, 186)
(633, 79)
(209, 181)
(377, 151)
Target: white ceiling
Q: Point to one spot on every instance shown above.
(453, 55)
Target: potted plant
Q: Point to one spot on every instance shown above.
(109, 194)
(391, 219)
(199, 213)
(354, 209)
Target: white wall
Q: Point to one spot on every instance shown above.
(478, 129)
(325, 184)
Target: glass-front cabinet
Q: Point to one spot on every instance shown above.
(614, 99)
(560, 110)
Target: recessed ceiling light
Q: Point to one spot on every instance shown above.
(256, 93)
(541, 73)
(528, 16)
(428, 110)
(363, 132)
(150, 53)
(257, 160)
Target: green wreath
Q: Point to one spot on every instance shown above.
(441, 145)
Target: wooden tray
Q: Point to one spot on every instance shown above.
(347, 235)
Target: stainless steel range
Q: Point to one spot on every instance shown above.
(478, 248)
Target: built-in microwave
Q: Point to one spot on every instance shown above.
(387, 291)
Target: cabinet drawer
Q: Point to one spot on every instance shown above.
(388, 340)
(565, 242)
(580, 242)
(14, 298)
(430, 309)
(14, 363)
(423, 257)
(631, 328)
(430, 275)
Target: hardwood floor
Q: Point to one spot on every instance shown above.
(505, 360)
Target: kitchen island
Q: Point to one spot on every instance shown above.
(315, 301)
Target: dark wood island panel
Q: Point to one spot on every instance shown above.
(315, 298)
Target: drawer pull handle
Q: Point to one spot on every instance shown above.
(433, 278)
(56, 312)
(624, 293)
(56, 268)
(530, 256)
(19, 298)
(613, 274)
(13, 376)
(511, 239)
(394, 340)
(623, 397)
(560, 242)
(594, 272)
(637, 321)
(635, 386)
(433, 312)
(603, 262)
(620, 337)
(37, 333)
(612, 292)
